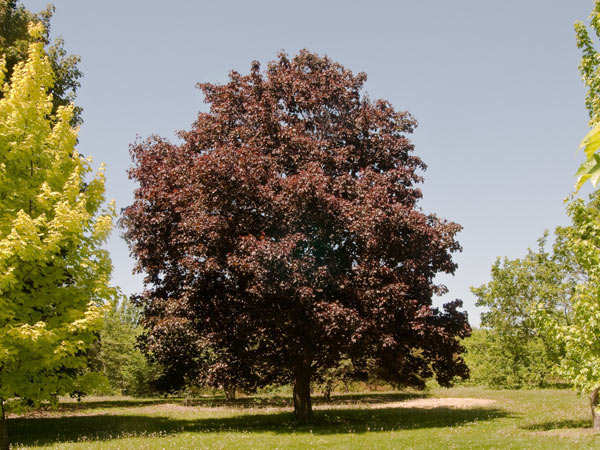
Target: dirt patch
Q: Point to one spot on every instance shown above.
(165, 408)
(446, 402)
(419, 403)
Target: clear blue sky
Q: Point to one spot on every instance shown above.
(494, 86)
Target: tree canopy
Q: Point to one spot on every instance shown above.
(14, 45)
(580, 362)
(512, 351)
(54, 276)
(116, 355)
(284, 234)
(579, 336)
(590, 70)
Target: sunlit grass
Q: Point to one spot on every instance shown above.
(536, 419)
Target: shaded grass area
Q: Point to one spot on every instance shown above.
(515, 420)
(559, 425)
(41, 431)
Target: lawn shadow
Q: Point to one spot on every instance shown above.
(559, 425)
(99, 427)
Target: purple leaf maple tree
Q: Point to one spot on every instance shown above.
(283, 234)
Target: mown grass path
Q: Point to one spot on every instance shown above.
(459, 418)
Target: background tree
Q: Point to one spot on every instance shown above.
(53, 275)
(343, 372)
(516, 352)
(116, 354)
(284, 233)
(14, 45)
(477, 358)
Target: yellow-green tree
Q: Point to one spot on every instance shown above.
(589, 68)
(580, 336)
(14, 45)
(54, 276)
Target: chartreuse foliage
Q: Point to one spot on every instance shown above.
(590, 74)
(14, 46)
(54, 277)
(580, 364)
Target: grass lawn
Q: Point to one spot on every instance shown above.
(458, 418)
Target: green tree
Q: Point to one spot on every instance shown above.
(515, 353)
(14, 45)
(54, 277)
(477, 357)
(580, 363)
(116, 354)
(343, 372)
(589, 68)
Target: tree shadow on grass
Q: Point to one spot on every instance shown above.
(52, 430)
(559, 425)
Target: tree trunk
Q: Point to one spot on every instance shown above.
(594, 400)
(229, 392)
(3, 428)
(327, 392)
(302, 403)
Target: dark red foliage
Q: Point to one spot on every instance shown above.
(284, 233)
